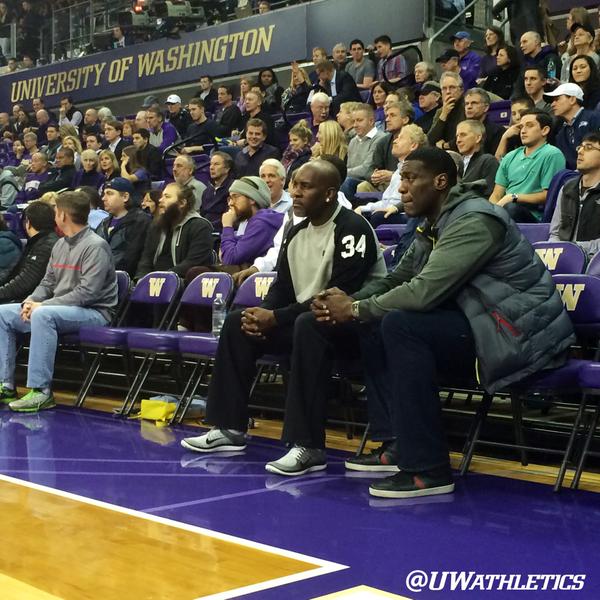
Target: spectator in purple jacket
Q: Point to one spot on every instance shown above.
(37, 173)
(470, 61)
(216, 194)
(249, 202)
(162, 133)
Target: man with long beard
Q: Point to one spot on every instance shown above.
(180, 238)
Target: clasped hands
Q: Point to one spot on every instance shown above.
(27, 309)
(257, 321)
(332, 306)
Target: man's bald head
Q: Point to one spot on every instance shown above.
(314, 190)
(325, 170)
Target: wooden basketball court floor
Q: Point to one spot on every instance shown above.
(100, 508)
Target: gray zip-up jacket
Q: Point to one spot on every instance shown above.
(81, 272)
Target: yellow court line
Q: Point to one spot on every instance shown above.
(361, 592)
(78, 548)
(17, 590)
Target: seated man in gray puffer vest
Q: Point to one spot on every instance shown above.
(470, 299)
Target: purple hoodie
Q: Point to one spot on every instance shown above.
(254, 242)
(470, 64)
(30, 189)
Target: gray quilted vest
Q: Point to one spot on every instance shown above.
(517, 317)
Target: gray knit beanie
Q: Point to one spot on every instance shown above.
(254, 188)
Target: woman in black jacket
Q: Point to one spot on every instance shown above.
(272, 91)
(502, 79)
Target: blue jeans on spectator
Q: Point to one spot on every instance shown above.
(46, 323)
(348, 187)
(405, 356)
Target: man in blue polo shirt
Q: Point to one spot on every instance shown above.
(567, 104)
(524, 175)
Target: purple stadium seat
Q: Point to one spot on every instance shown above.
(390, 234)
(589, 380)
(593, 267)
(157, 185)
(159, 289)
(535, 232)
(253, 291)
(581, 296)
(368, 196)
(199, 293)
(365, 95)
(561, 257)
(203, 348)
(499, 112)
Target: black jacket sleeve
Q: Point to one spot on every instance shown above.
(346, 91)
(154, 162)
(135, 238)
(30, 271)
(146, 262)
(197, 247)
(64, 179)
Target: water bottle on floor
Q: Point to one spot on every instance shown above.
(219, 312)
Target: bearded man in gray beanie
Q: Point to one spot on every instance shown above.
(257, 224)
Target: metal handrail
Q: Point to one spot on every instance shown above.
(437, 34)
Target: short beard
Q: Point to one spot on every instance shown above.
(172, 216)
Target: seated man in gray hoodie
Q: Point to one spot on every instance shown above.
(79, 289)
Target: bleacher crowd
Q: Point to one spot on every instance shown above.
(296, 180)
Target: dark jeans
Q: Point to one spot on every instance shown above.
(403, 355)
(377, 218)
(405, 361)
(312, 348)
(520, 213)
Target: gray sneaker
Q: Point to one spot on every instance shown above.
(298, 461)
(216, 440)
(33, 401)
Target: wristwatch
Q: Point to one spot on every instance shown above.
(354, 309)
(514, 198)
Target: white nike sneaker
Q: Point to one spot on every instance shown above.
(216, 440)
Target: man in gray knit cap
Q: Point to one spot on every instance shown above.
(249, 202)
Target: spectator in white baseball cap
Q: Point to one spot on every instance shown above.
(178, 117)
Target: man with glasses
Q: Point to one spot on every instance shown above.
(524, 175)
(443, 130)
(567, 104)
(576, 217)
